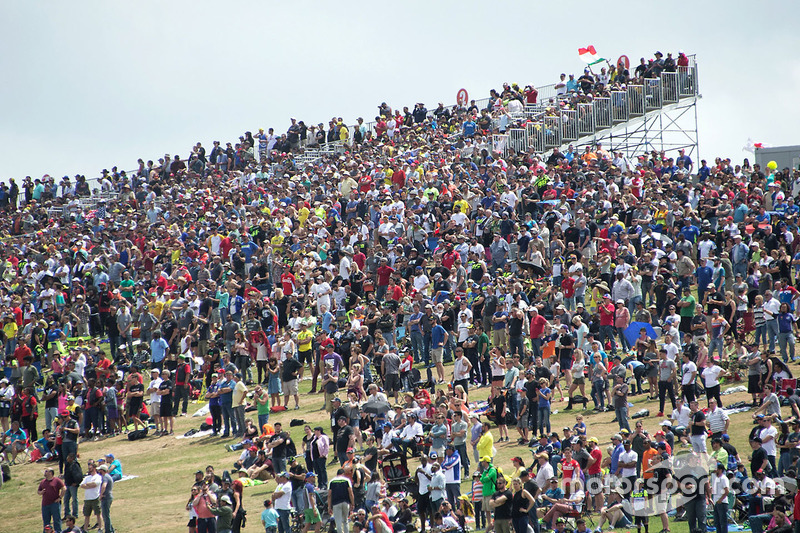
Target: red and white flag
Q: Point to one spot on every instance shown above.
(589, 55)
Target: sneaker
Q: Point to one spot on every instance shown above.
(296, 407)
(660, 414)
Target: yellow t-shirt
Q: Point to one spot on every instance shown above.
(155, 307)
(304, 339)
(303, 215)
(486, 445)
(277, 241)
(10, 329)
(462, 206)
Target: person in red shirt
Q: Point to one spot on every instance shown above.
(30, 412)
(538, 322)
(288, 282)
(569, 469)
(21, 352)
(398, 177)
(51, 489)
(594, 481)
(568, 288)
(384, 273)
(607, 313)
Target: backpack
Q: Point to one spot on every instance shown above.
(137, 434)
(33, 407)
(291, 449)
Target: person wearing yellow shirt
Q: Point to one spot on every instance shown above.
(303, 215)
(304, 348)
(485, 445)
(277, 242)
(461, 205)
(344, 133)
(10, 331)
(155, 306)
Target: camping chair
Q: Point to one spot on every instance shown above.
(574, 515)
(786, 384)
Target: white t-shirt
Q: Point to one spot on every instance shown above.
(94, 492)
(681, 416)
(627, 457)
(769, 446)
(154, 384)
(322, 292)
(460, 369)
(711, 375)
(689, 369)
(285, 501)
(718, 486)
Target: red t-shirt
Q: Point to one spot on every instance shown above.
(598, 456)
(288, 282)
(568, 286)
(568, 468)
(52, 489)
(384, 273)
(537, 326)
(606, 314)
(399, 178)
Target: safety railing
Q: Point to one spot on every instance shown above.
(652, 94)
(499, 143)
(535, 136)
(670, 93)
(635, 100)
(687, 80)
(619, 106)
(517, 139)
(569, 125)
(552, 131)
(602, 113)
(585, 119)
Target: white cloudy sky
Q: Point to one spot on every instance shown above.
(88, 85)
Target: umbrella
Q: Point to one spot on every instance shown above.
(376, 407)
(632, 331)
(657, 237)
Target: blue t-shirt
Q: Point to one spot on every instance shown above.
(544, 402)
(227, 397)
(158, 349)
(269, 517)
(704, 275)
(690, 232)
(785, 321)
(437, 336)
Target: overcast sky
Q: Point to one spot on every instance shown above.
(90, 85)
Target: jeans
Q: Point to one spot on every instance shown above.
(216, 417)
(598, 397)
(340, 515)
(426, 350)
(786, 339)
(263, 419)
(623, 340)
(698, 443)
(716, 344)
(238, 412)
(607, 332)
(520, 524)
(105, 510)
(462, 452)
(772, 332)
(696, 513)
(757, 521)
(761, 334)
(298, 499)
(622, 417)
(417, 345)
(279, 464)
(52, 513)
(322, 472)
(453, 492)
(517, 346)
(207, 525)
(664, 388)
(50, 414)
(721, 517)
(544, 419)
(181, 395)
(229, 418)
(71, 496)
(284, 523)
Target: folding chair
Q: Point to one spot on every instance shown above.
(574, 515)
(786, 384)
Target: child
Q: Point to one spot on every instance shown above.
(580, 427)
(477, 501)
(269, 517)
(522, 419)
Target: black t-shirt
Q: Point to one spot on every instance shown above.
(758, 458)
(52, 402)
(136, 400)
(515, 326)
(698, 417)
(290, 369)
(371, 464)
(503, 512)
(343, 438)
(166, 399)
(297, 470)
(279, 451)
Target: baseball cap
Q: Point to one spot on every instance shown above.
(486, 459)
(433, 455)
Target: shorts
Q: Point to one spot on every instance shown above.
(578, 381)
(113, 414)
(565, 363)
(290, 387)
(437, 355)
(392, 382)
(91, 506)
(754, 384)
(155, 409)
(305, 356)
(594, 484)
(192, 522)
(4, 412)
(423, 502)
(312, 516)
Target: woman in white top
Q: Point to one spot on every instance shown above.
(464, 326)
(578, 378)
(287, 346)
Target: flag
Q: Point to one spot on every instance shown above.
(589, 55)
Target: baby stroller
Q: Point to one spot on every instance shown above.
(394, 468)
(298, 518)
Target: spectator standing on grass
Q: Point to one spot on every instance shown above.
(106, 497)
(92, 484)
(52, 490)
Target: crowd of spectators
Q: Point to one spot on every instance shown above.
(238, 273)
